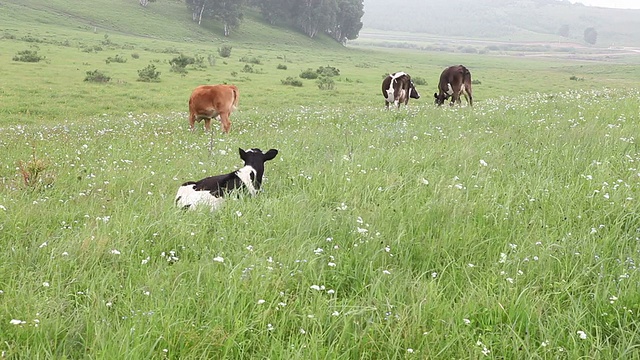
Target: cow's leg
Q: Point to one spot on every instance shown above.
(225, 124)
(192, 121)
(470, 99)
(207, 124)
(386, 104)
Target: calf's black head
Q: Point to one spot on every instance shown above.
(255, 158)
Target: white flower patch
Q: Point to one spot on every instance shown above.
(3, 208)
(115, 252)
(581, 334)
(17, 322)
(317, 287)
(218, 259)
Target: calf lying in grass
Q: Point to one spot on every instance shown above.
(212, 190)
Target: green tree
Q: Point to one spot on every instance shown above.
(348, 22)
(590, 35)
(564, 30)
(229, 12)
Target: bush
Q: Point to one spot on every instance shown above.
(211, 59)
(325, 83)
(309, 74)
(135, 56)
(180, 62)
(282, 67)
(247, 68)
(149, 74)
(328, 71)
(97, 76)
(419, 81)
(476, 82)
(28, 56)
(575, 78)
(116, 59)
(251, 60)
(291, 81)
(224, 51)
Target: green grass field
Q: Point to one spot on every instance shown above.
(508, 230)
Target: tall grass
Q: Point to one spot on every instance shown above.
(509, 230)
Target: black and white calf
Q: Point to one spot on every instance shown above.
(211, 191)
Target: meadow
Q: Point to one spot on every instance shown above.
(508, 230)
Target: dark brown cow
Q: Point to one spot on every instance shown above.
(454, 81)
(211, 101)
(398, 88)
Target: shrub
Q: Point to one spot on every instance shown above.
(247, 68)
(328, 71)
(116, 59)
(198, 62)
(419, 81)
(180, 62)
(149, 74)
(309, 74)
(291, 81)
(135, 56)
(476, 82)
(211, 59)
(282, 67)
(575, 78)
(325, 83)
(251, 60)
(224, 51)
(97, 76)
(28, 56)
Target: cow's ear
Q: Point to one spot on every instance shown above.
(435, 95)
(242, 153)
(270, 154)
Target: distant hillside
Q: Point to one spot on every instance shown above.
(522, 20)
(163, 19)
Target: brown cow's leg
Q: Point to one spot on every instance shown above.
(192, 121)
(207, 124)
(225, 124)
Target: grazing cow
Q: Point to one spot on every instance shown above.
(398, 88)
(211, 191)
(454, 81)
(210, 101)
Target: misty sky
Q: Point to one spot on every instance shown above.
(623, 4)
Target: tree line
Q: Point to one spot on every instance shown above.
(340, 19)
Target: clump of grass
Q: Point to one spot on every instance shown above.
(28, 56)
(135, 56)
(149, 74)
(575, 78)
(476, 82)
(97, 76)
(35, 173)
(282, 67)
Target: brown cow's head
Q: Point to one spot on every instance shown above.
(440, 99)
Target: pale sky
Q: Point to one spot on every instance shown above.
(622, 4)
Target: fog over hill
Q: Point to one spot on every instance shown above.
(506, 19)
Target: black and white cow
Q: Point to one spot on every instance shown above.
(397, 88)
(212, 190)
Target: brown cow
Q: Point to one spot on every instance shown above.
(454, 80)
(213, 101)
(397, 88)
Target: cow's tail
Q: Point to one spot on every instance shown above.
(236, 97)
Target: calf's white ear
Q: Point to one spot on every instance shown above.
(270, 154)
